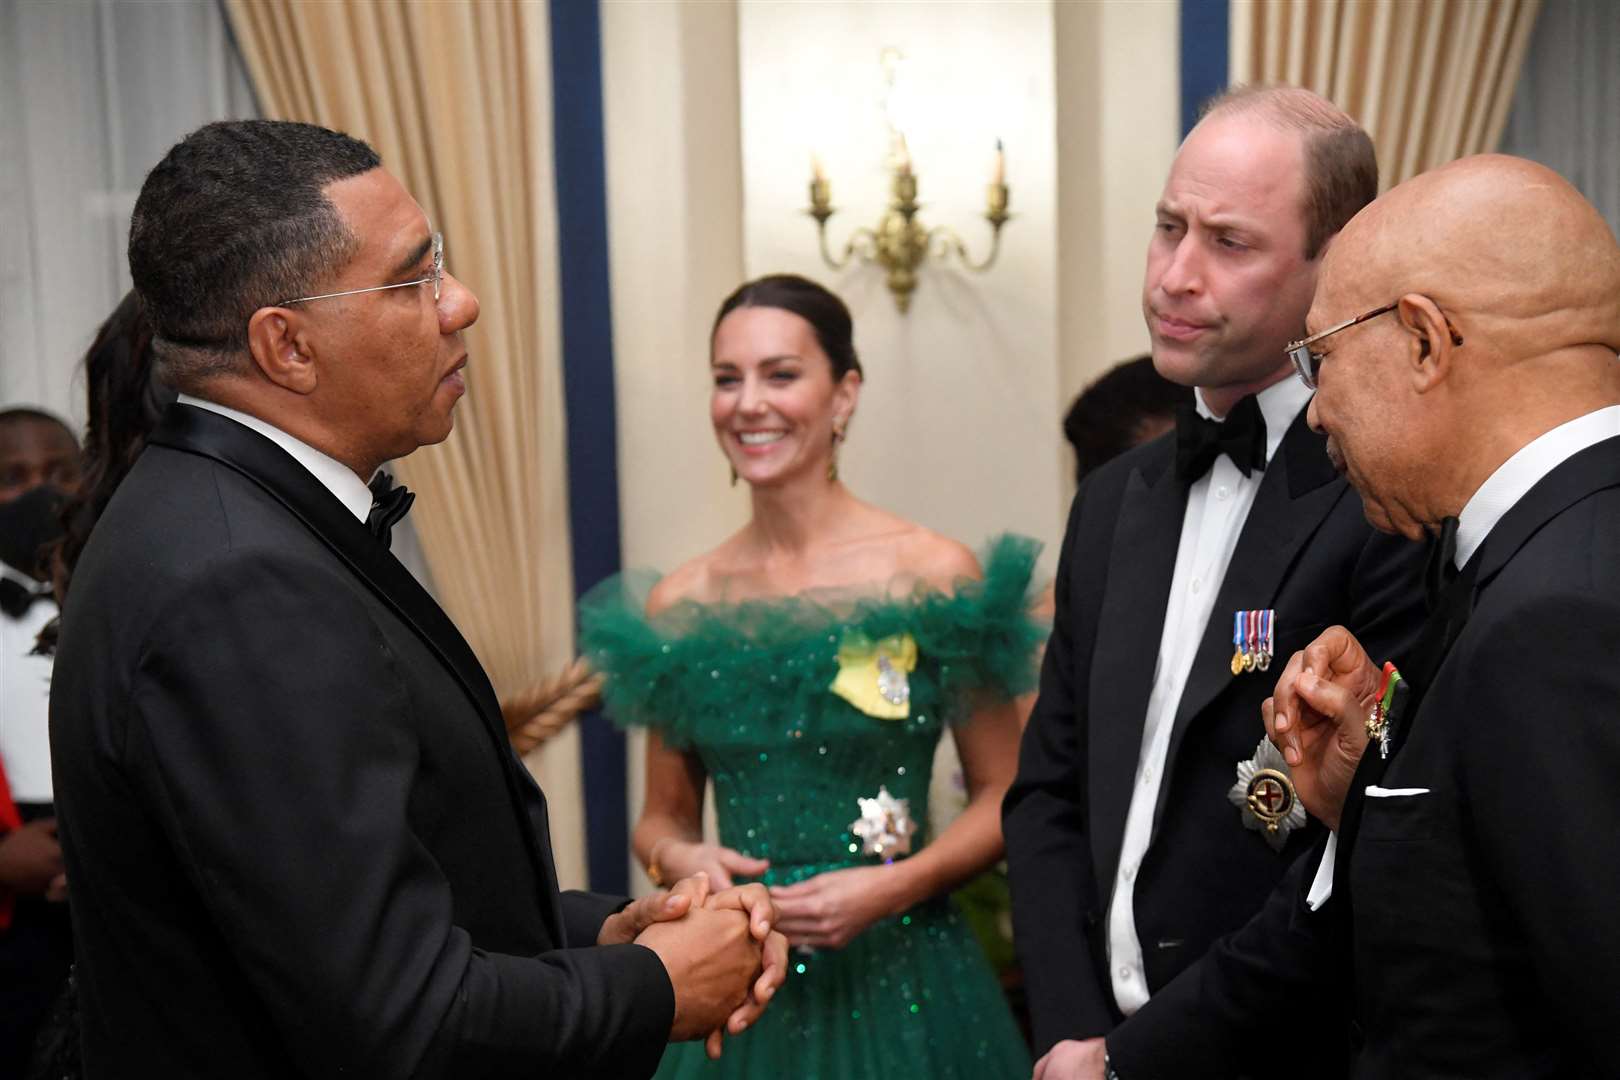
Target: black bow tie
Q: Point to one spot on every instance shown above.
(1241, 437)
(389, 503)
(16, 598)
(1441, 570)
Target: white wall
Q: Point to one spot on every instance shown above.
(1118, 116)
(958, 423)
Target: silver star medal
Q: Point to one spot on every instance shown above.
(1264, 795)
(893, 686)
(885, 825)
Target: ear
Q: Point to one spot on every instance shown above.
(283, 349)
(846, 395)
(1431, 351)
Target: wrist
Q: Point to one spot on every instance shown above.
(656, 873)
(905, 885)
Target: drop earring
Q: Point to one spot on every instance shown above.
(733, 476)
(832, 462)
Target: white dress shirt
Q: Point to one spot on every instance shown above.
(1217, 506)
(1501, 491)
(25, 691)
(334, 476)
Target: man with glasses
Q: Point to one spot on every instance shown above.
(298, 841)
(1466, 331)
(1149, 816)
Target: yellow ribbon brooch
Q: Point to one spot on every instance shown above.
(873, 675)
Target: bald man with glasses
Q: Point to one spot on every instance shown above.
(1462, 908)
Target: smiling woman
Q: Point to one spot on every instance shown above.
(809, 665)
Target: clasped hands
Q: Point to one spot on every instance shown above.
(824, 911)
(1317, 717)
(721, 950)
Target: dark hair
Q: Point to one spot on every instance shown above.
(816, 305)
(25, 414)
(1341, 166)
(1106, 418)
(233, 219)
(126, 401)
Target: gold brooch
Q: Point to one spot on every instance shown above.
(874, 676)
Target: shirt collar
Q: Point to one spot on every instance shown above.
(1514, 478)
(1279, 404)
(333, 475)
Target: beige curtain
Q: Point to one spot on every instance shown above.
(1431, 80)
(456, 96)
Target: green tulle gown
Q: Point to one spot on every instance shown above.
(747, 685)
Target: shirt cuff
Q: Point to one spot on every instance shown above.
(1322, 884)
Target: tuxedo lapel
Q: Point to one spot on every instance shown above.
(1130, 623)
(1295, 497)
(198, 431)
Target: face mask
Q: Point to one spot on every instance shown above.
(27, 524)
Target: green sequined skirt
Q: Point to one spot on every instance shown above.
(911, 996)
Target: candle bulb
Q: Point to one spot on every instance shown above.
(998, 169)
(816, 172)
(902, 161)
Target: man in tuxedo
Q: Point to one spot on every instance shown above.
(298, 841)
(1137, 831)
(39, 465)
(1464, 903)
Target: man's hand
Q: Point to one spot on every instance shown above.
(31, 860)
(623, 927)
(1072, 1059)
(1317, 717)
(828, 910)
(712, 958)
(755, 902)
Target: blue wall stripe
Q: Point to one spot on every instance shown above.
(1205, 25)
(587, 344)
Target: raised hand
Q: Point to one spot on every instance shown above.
(1317, 718)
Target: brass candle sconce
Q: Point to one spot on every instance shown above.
(900, 243)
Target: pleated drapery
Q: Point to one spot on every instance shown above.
(456, 97)
(1431, 80)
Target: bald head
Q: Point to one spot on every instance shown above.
(1505, 242)
(1506, 286)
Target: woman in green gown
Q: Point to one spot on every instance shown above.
(808, 666)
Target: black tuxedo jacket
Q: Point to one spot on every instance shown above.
(1305, 551)
(298, 840)
(1473, 928)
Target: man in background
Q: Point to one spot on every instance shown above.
(1125, 406)
(39, 468)
(1146, 821)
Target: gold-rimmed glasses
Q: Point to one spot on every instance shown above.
(1307, 361)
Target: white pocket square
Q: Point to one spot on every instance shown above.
(1376, 792)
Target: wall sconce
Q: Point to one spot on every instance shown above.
(900, 243)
